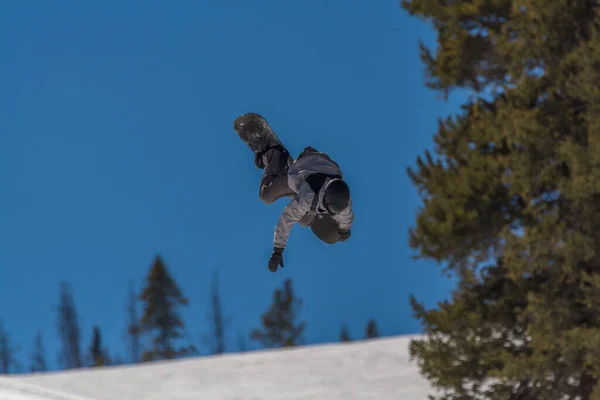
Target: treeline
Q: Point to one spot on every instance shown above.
(156, 330)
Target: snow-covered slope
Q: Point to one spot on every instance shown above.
(376, 369)
(11, 389)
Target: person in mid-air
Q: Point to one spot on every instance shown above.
(320, 196)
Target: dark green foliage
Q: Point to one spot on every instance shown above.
(161, 298)
(98, 355)
(8, 362)
(279, 324)
(5, 350)
(68, 329)
(511, 201)
(371, 332)
(344, 334)
(38, 356)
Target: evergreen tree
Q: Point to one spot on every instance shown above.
(344, 334)
(38, 356)
(8, 362)
(133, 330)
(510, 201)
(68, 329)
(371, 332)
(279, 324)
(98, 355)
(161, 298)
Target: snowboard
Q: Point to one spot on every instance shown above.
(255, 131)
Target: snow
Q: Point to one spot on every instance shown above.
(374, 369)
(11, 389)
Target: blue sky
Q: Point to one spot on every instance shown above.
(117, 144)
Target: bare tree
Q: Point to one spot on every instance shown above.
(216, 339)
(133, 329)
(68, 329)
(38, 356)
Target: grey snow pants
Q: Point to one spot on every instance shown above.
(274, 182)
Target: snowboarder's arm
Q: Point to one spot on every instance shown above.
(291, 214)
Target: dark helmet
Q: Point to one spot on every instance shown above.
(337, 196)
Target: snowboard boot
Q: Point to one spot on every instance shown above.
(259, 158)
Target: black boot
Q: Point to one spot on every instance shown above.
(258, 157)
(258, 160)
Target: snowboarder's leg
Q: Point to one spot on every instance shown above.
(274, 188)
(274, 183)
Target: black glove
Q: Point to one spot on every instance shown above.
(343, 234)
(276, 259)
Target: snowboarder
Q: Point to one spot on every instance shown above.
(320, 196)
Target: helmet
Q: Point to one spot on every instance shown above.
(337, 196)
